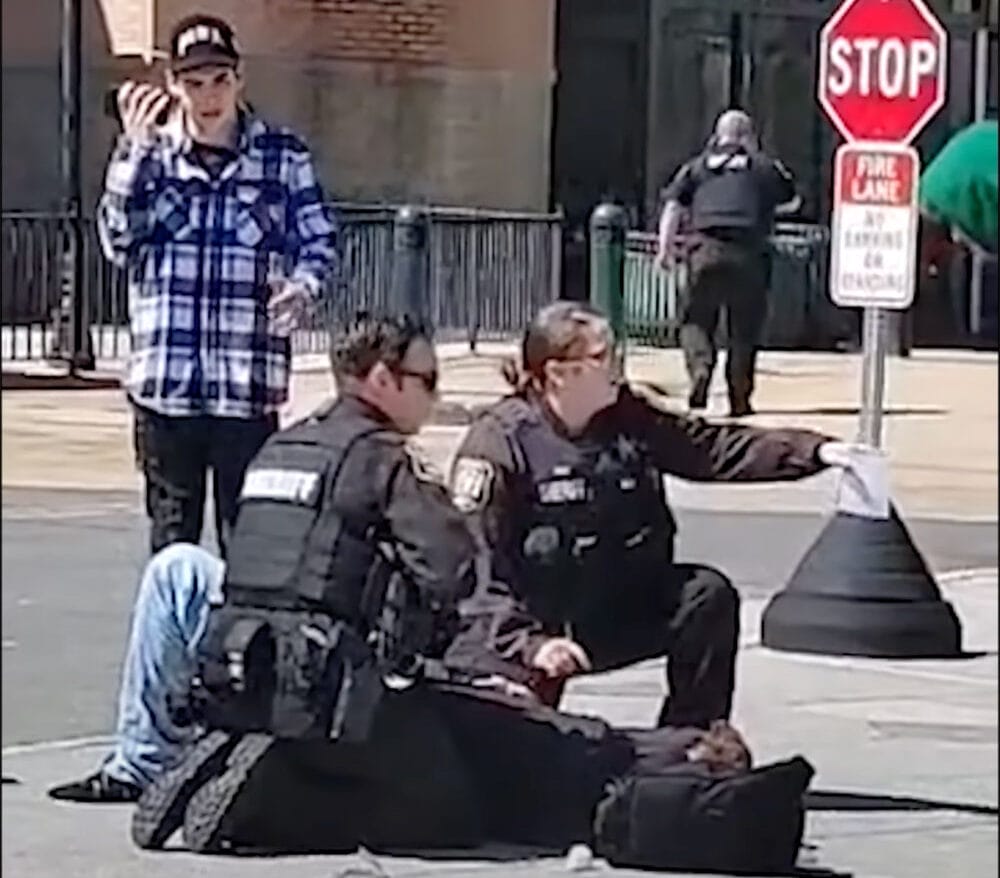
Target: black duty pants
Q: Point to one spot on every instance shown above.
(732, 275)
(175, 455)
(696, 626)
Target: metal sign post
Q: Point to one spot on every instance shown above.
(874, 342)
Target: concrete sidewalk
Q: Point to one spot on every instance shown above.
(940, 426)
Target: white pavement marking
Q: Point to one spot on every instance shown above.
(35, 513)
(51, 746)
(878, 666)
(953, 577)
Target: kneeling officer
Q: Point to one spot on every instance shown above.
(344, 559)
(345, 566)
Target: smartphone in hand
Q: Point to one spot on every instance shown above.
(155, 74)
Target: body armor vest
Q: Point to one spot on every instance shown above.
(728, 194)
(591, 530)
(292, 546)
(291, 652)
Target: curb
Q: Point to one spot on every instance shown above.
(65, 381)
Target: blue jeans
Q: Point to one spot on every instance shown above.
(178, 586)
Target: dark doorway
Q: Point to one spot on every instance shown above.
(600, 111)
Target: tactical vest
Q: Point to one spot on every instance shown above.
(591, 529)
(290, 652)
(728, 195)
(292, 547)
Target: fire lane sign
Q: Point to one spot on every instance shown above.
(874, 227)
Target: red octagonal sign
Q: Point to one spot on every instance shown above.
(882, 68)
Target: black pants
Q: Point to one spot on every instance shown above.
(695, 624)
(445, 769)
(732, 275)
(175, 455)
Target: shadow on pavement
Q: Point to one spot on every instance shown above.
(831, 800)
(852, 410)
(22, 381)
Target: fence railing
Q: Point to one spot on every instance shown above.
(799, 311)
(488, 272)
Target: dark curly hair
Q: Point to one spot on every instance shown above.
(373, 338)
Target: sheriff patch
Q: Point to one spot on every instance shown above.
(557, 491)
(285, 485)
(471, 482)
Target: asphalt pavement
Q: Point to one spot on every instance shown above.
(71, 562)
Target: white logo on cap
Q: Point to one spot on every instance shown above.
(200, 33)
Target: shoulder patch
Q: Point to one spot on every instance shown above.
(471, 482)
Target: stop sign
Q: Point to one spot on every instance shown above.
(882, 68)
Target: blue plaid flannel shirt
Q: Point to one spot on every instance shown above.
(199, 253)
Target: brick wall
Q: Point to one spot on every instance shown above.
(433, 100)
(399, 31)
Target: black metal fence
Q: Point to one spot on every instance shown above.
(488, 272)
(799, 310)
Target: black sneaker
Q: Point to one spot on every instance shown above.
(699, 394)
(99, 788)
(161, 808)
(205, 820)
(740, 409)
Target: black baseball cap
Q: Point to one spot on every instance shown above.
(202, 41)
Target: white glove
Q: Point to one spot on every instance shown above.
(844, 455)
(864, 483)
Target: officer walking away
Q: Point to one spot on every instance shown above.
(346, 557)
(731, 193)
(218, 219)
(562, 482)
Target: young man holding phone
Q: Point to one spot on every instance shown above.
(219, 221)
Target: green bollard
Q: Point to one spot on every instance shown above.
(410, 263)
(608, 224)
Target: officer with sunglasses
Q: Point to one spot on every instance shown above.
(346, 564)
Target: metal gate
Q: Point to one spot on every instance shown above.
(489, 271)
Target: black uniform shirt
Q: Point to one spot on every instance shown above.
(486, 480)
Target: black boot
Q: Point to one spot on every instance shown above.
(206, 821)
(98, 788)
(161, 808)
(698, 399)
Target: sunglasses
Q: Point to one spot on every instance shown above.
(600, 357)
(428, 379)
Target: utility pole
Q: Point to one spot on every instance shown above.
(73, 346)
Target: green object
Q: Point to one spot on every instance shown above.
(959, 187)
(608, 225)
(652, 297)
